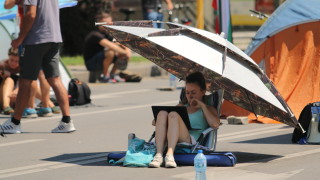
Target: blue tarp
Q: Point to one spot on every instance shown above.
(290, 13)
(11, 13)
(67, 3)
(7, 13)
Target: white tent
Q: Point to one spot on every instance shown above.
(8, 30)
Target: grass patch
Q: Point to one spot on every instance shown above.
(79, 61)
(72, 60)
(138, 59)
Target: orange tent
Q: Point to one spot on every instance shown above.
(289, 52)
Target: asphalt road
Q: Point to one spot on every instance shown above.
(264, 151)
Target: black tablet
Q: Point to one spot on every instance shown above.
(181, 110)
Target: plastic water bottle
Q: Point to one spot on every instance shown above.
(200, 165)
(173, 82)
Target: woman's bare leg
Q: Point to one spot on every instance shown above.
(7, 89)
(45, 90)
(161, 130)
(31, 100)
(177, 132)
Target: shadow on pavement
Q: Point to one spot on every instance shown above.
(100, 158)
(83, 159)
(245, 157)
(280, 139)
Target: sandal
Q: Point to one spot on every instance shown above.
(8, 110)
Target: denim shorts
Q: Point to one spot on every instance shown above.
(96, 62)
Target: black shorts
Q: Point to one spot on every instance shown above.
(44, 56)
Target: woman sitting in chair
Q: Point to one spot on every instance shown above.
(170, 128)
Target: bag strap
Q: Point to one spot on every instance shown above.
(119, 162)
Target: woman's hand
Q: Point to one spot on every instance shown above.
(197, 103)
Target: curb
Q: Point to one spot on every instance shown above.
(140, 68)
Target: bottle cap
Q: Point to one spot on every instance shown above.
(200, 151)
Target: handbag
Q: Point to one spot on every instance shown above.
(139, 154)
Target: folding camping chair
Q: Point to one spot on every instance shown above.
(208, 137)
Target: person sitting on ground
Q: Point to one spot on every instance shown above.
(100, 52)
(9, 76)
(9, 89)
(170, 128)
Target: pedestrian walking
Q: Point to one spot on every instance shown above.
(40, 40)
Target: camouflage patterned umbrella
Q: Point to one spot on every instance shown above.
(181, 50)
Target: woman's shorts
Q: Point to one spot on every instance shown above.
(193, 140)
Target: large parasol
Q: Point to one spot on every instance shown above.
(181, 50)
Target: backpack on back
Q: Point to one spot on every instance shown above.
(79, 92)
(309, 120)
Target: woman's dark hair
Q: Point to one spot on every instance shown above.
(197, 78)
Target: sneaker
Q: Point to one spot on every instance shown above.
(117, 78)
(64, 128)
(8, 110)
(45, 112)
(105, 79)
(29, 113)
(157, 161)
(9, 128)
(55, 110)
(169, 162)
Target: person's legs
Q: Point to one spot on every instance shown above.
(61, 94)
(7, 86)
(44, 93)
(161, 135)
(29, 111)
(1, 92)
(30, 64)
(177, 132)
(101, 61)
(45, 90)
(51, 70)
(153, 16)
(108, 58)
(161, 130)
(13, 126)
(118, 64)
(23, 97)
(159, 18)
